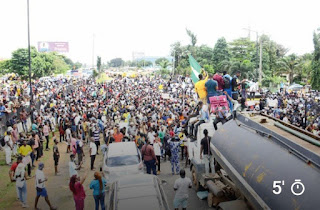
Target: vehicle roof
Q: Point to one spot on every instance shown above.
(137, 192)
(122, 148)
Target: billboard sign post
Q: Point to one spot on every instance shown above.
(53, 46)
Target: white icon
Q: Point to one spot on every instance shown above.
(297, 188)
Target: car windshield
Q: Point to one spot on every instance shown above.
(122, 160)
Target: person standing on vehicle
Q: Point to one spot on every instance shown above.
(149, 157)
(227, 86)
(207, 156)
(201, 89)
(40, 186)
(98, 186)
(181, 187)
(211, 87)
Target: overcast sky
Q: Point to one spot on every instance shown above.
(124, 26)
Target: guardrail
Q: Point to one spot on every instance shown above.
(293, 127)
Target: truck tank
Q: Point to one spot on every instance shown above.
(260, 166)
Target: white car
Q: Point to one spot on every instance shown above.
(120, 159)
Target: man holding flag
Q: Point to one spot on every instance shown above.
(198, 79)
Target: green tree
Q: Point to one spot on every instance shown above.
(5, 66)
(144, 63)
(159, 60)
(220, 53)
(77, 65)
(209, 68)
(192, 36)
(289, 65)
(242, 49)
(20, 61)
(116, 62)
(315, 79)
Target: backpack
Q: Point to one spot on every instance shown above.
(227, 83)
(3, 143)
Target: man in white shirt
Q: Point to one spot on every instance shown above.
(8, 146)
(68, 138)
(151, 137)
(72, 166)
(92, 153)
(40, 187)
(181, 187)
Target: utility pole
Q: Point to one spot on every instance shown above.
(260, 62)
(29, 55)
(173, 62)
(93, 51)
(260, 56)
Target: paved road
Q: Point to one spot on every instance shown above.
(60, 195)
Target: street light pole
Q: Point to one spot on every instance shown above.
(29, 53)
(173, 62)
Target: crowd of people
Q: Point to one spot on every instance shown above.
(297, 107)
(151, 112)
(144, 110)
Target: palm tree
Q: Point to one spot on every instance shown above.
(289, 65)
(193, 37)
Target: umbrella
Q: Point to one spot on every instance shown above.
(295, 87)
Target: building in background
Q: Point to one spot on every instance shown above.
(137, 55)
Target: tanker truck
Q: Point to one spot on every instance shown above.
(257, 165)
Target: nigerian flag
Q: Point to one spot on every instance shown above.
(195, 67)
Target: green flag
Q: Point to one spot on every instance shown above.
(195, 69)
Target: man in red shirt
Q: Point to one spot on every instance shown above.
(149, 158)
(13, 168)
(217, 77)
(12, 171)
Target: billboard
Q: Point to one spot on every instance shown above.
(53, 46)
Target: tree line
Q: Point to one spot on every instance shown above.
(243, 54)
(42, 63)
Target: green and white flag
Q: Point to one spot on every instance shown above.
(195, 69)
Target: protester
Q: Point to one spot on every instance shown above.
(72, 166)
(157, 151)
(20, 176)
(56, 156)
(174, 145)
(149, 157)
(8, 147)
(201, 89)
(12, 172)
(25, 151)
(181, 188)
(77, 189)
(205, 152)
(98, 186)
(40, 187)
(92, 153)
